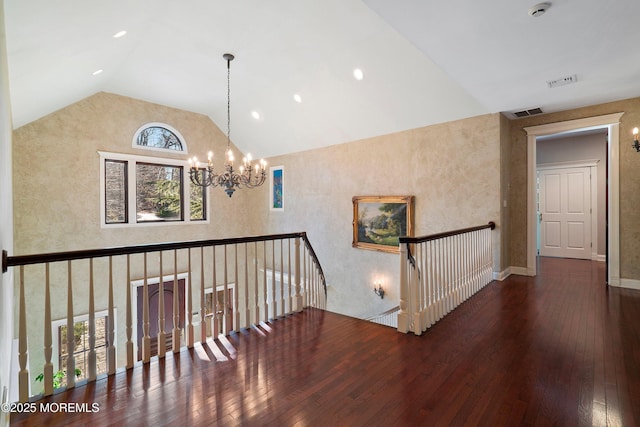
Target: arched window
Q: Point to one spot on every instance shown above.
(159, 136)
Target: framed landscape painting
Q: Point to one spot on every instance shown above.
(276, 195)
(378, 221)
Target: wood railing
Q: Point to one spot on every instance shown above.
(440, 271)
(145, 296)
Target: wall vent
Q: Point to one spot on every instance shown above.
(527, 113)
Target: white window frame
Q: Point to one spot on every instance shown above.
(131, 160)
(55, 325)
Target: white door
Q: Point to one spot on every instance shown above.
(565, 212)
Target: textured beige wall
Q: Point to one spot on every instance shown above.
(452, 169)
(629, 181)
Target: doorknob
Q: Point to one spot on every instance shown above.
(540, 216)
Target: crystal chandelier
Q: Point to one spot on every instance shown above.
(248, 175)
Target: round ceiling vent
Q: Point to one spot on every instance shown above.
(539, 9)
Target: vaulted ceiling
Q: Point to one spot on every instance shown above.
(424, 62)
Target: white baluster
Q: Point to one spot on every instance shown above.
(226, 303)
(236, 292)
(256, 308)
(305, 282)
(189, 334)
(162, 334)
(48, 343)
(289, 278)
(264, 281)
(111, 322)
(281, 278)
(296, 272)
(92, 327)
(246, 287)
(214, 300)
(403, 314)
(23, 375)
(424, 295)
(146, 339)
(71, 361)
(274, 304)
(129, 317)
(176, 305)
(203, 325)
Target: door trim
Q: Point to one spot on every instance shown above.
(135, 284)
(610, 122)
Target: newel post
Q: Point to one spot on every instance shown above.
(296, 274)
(403, 314)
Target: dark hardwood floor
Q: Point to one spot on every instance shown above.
(557, 349)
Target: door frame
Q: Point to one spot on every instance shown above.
(593, 170)
(135, 284)
(611, 122)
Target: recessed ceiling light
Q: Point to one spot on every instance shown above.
(297, 98)
(358, 74)
(119, 34)
(255, 115)
(96, 72)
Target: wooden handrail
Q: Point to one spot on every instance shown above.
(422, 239)
(307, 243)
(14, 261)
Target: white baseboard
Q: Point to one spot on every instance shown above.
(598, 257)
(520, 271)
(630, 284)
(501, 275)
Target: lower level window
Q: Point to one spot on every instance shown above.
(81, 349)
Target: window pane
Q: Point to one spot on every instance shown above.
(159, 137)
(158, 192)
(81, 350)
(115, 191)
(198, 201)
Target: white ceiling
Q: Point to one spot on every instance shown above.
(425, 62)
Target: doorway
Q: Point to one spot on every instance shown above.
(611, 122)
(154, 327)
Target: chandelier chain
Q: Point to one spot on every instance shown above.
(228, 104)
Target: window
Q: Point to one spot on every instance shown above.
(115, 191)
(81, 348)
(158, 192)
(143, 190)
(158, 136)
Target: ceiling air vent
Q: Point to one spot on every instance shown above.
(527, 113)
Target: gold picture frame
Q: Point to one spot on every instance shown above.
(378, 222)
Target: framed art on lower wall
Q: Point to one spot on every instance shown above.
(378, 221)
(276, 194)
